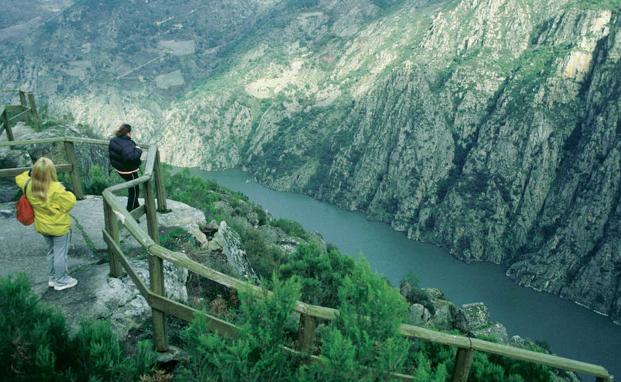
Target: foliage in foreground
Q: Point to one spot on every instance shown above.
(35, 344)
(256, 353)
(321, 273)
(362, 344)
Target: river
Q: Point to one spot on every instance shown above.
(570, 330)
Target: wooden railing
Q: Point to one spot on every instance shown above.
(117, 217)
(25, 111)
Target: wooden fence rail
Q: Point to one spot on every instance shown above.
(26, 111)
(117, 217)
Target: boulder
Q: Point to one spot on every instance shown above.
(418, 315)
(189, 218)
(210, 229)
(444, 316)
(228, 243)
(116, 300)
(472, 317)
(11, 159)
(434, 293)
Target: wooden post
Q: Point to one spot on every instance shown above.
(22, 98)
(149, 202)
(463, 361)
(112, 227)
(159, 185)
(160, 329)
(75, 171)
(156, 270)
(24, 102)
(34, 114)
(156, 278)
(306, 333)
(7, 126)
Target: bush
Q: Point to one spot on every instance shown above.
(363, 343)
(413, 294)
(321, 272)
(33, 338)
(98, 181)
(35, 344)
(192, 190)
(291, 228)
(256, 353)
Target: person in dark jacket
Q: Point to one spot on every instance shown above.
(125, 158)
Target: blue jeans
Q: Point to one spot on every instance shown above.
(57, 260)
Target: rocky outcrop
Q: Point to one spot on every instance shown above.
(227, 243)
(428, 308)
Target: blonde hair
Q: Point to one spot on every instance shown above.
(43, 174)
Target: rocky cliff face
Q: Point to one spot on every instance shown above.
(502, 145)
(490, 127)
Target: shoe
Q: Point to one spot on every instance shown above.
(66, 283)
(50, 282)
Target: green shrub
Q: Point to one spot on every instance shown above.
(413, 294)
(176, 238)
(100, 353)
(98, 181)
(364, 340)
(192, 190)
(35, 344)
(321, 272)
(291, 228)
(262, 256)
(256, 353)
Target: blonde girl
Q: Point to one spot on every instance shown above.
(51, 204)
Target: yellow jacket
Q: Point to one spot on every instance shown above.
(51, 215)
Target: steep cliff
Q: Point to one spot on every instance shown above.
(498, 138)
(491, 127)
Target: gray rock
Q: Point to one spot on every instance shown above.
(434, 293)
(116, 300)
(11, 159)
(444, 315)
(210, 229)
(472, 317)
(418, 315)
(227, 242)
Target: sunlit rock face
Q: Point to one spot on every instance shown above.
(490, 127)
